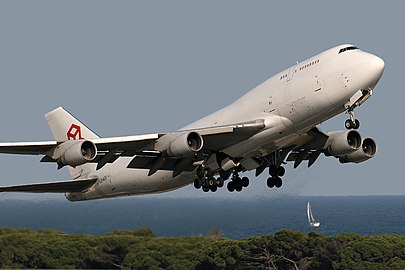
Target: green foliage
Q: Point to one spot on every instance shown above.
(372, 252)
(144, 232)
(140, 249)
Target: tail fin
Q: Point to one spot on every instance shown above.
(65, 127)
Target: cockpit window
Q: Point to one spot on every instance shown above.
(348, 49)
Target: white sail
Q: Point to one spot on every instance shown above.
(312, 222)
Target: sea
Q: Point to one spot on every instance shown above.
(235, 219)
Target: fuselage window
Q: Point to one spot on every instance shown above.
(308, 65)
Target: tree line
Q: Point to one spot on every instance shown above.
(141, 249)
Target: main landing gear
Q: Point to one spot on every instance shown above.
(352, 123)
(207, 181)
(276, 170)
(276, 174)
(237, 183)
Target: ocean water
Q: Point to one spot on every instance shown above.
(366, 215)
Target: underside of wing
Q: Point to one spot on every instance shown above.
(213, 140)
(53, 187)
(308, 147)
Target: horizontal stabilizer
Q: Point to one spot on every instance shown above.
(53, 187)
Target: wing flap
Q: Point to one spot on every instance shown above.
(53, 187)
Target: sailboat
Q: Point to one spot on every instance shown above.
(311, 220)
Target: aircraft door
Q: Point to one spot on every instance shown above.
(290, 74)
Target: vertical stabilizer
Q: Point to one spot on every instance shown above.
(65, 127)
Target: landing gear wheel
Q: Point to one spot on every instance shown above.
(211, 182)
(273, 170)
(276, 171)
(231, 186)
(207, 172)
(197, 183)
(270, 182)
(349, 124)
(214, 188)
(205, 188)
(200, 172)
(238, 187)
(278, 182)
(220, 182)
(280, 171)
(245, 181)
(356, 124)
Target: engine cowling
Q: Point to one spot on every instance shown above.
(368, 150)
(343, 142)
(185, 145)
(77, 153)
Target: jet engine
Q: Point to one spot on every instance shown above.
(367, 151)
(343, 143)
(185, 145)
(76, 153)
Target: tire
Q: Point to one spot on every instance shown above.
(231, 186)
(213, 188)
(220, 182)
(211, 182)
(207, 172)
(197, 183)
(245, 181)
(205, 188)
(200, 172)
(270, 182)
(272, 171)
(280, 171)
(278, 182)
(356, 124)
(349, 124)
(238, 187)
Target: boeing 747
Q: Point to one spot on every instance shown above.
(270, 125)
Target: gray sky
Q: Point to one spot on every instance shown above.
(140, 67)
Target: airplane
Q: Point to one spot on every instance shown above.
(274, 123)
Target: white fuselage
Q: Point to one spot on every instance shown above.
(291, 103)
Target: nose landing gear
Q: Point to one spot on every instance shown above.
(352, 123)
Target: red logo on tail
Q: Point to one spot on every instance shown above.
(74, 133)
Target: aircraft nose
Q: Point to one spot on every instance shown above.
(377, 66)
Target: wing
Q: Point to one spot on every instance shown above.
(27, 148)
(308, 147)
(147, 149)
(54, 187)
(151, 156)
